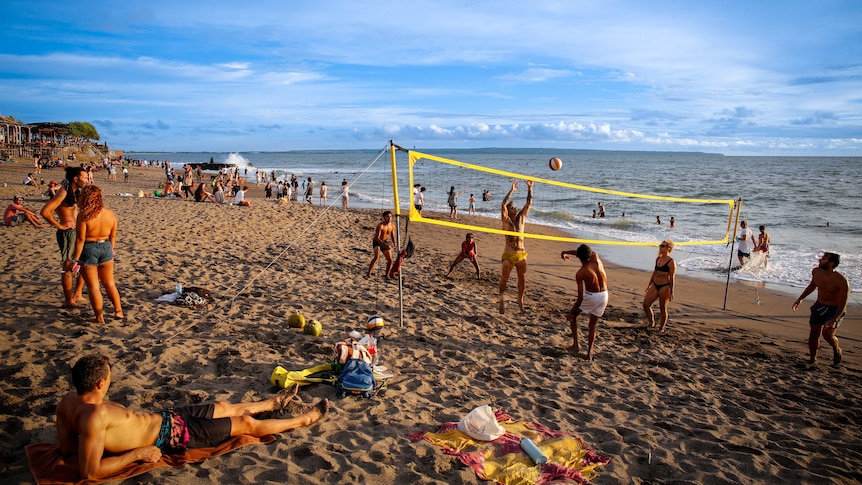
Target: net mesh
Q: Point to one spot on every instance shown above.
(573, 210)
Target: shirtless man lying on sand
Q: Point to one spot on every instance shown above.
(90, 426)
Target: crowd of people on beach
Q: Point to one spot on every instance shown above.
(592, 287)
(86, 236)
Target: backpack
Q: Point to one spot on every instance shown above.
(356, 377)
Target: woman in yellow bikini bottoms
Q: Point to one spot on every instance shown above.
(514, 254)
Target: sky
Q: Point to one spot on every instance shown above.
(734, 77)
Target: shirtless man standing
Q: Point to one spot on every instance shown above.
(90, 426)
(385, 232)
(833, 290)
(514, 254)
(65, 204)
(592, 294)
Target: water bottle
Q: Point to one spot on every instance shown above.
(533, 451)
(179, 288)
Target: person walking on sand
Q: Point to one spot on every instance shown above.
(383, 234)
(419, 199)
(107, 437)
(453, 201)
(469, 251)
(94, 250)
(660, 286)
(323, 194)
(592, 298)
(514, 254)
(65, 204)
(833, 291)
(345, 194)
(309, 192)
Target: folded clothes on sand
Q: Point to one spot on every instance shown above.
(49, 467)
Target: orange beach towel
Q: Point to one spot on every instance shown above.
(49, 467)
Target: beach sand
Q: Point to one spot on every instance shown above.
(724, 396)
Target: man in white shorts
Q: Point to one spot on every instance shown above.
(592, 294)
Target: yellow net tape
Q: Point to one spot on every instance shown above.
(414, 156)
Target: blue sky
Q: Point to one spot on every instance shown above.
(733, 77)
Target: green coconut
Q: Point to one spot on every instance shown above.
(313, 328)
(296, 321)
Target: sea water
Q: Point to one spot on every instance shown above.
(808, 204)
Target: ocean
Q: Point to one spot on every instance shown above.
(808, 204)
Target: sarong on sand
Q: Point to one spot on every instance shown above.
(503, 460)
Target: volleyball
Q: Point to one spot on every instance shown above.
(555, 163)
(374, 322)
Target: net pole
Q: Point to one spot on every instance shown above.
(732, 246)
(392, 149)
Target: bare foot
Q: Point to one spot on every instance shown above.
(284, 397)
(574, 348)
(119, 315)
(502, 304)
(837, 357)
(521, 304)
(590, 355)
(317, 413)
(71, 305)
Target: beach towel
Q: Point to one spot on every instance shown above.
(49, 467)
(503, 461)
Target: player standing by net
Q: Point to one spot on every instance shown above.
(514, 254)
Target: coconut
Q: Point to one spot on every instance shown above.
(296, 321)
(313, 328)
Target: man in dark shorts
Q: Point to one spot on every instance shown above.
(64, 203)
(833, 291)
(107, 437)
(383, 235)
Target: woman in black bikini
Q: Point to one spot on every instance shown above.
(660, 285)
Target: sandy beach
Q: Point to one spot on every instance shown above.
(724, 396)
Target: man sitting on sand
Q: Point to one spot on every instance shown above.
(91, 427)
(16, 214)
(240, 199)
(592, 299)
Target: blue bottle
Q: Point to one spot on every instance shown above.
(533, 451)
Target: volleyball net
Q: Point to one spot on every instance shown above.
(574, 213)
